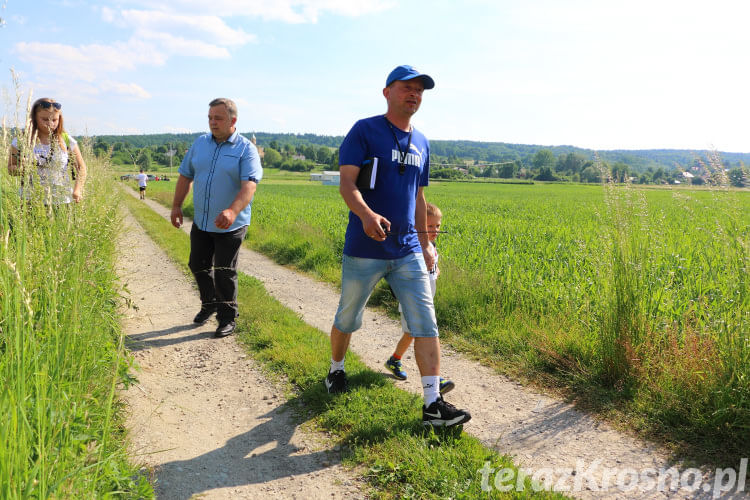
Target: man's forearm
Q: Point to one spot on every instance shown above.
(353, 199)
(244, 197)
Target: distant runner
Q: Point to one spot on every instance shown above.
(142, 180)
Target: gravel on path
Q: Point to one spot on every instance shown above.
(203, 417)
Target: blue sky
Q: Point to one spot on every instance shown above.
(597, 74)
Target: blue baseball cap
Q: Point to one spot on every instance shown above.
(406, 72)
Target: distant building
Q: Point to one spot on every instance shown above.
(261, 151)
(327, 177)
(687, 175)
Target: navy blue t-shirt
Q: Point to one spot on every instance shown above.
(395, 194)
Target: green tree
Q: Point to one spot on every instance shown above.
(334, 163)
(591, 174)
(508, 171)
(659, 175)
(543, 158)
(570, 163)
(271, 158)
(323, 155)
(309, 152)
(144, 159)
(545, 174)
(620, 172)
(738, 178)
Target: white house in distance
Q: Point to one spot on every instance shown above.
(327, 177)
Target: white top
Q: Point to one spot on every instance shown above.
(52, 172)
(141, 178)
(433, 272)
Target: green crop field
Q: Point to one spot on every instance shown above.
(633, 300)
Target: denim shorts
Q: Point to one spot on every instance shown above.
(409, 280)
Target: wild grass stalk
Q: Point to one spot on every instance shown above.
(626, 268)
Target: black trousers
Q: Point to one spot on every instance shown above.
(213, 261)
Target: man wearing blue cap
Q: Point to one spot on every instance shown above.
(387, 235)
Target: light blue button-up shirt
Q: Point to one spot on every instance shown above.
(217, 170)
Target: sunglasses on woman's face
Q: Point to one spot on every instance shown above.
(47, 105)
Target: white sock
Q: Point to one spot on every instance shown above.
(431, 388)
(337, 365)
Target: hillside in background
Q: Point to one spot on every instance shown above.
(463, 151)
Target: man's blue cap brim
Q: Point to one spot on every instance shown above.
(407, 72)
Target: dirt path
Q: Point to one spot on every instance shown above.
(203, 415)
(539, 432)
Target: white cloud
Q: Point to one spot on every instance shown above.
(124, 89)
(178, 45)
(86, 62)
(108, 15)
(288, 11)
(149, 23)
(59, 88)
(181, 27)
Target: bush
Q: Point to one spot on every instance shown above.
(448, 173)
(297, 165)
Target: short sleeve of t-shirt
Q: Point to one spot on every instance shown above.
(250, 166)
(186, 167)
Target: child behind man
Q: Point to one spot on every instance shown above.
(434, 219)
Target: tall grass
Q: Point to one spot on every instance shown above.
(61, 352)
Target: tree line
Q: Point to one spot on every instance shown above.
(457, 159)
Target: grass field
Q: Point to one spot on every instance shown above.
(632, 301)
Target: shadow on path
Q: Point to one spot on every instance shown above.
(262, 454)
(148, 340)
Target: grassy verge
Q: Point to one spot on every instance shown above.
(378, 425)
(61, 350)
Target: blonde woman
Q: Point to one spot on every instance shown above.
(60, 168)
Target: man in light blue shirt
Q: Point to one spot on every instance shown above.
(224, 169)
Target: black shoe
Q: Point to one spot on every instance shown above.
(225, 329)
(336, 382)
(203, 315)
(443, 414)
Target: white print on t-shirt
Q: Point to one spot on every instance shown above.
(413, 159)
